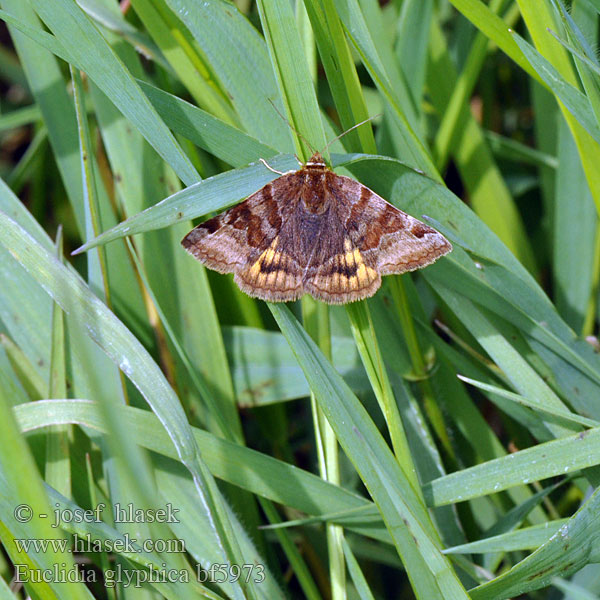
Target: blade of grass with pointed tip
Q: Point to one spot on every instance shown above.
(568, 416)
(528, 538)
(221, 190)
(513, 150)
(574, 365)
(520, 373)
(469, 421)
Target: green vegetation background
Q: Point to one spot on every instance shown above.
(440, 440)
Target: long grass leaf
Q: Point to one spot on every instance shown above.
(400, 509)
(83, 41)
(75, 298)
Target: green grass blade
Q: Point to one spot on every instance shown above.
(58, 463)
(575, 101)
(373, 460)
(214, 25)
(341, 73)
(575, 230)
(364, 336)
(414, 24)
(20, 117)
(528, 538)
(125, 351)
(293, 76)
(539, 15)
(206, 131)
(412, 148)
(463, 87)
(513, 150)
(575, 541)
(83, 41)
(555, 458)
(479, 172)
(49, 89)
(179, 50)
(362, 587)
(568, 416)
(20, 484)
(256, 472)
(496, 30)
(215, 193)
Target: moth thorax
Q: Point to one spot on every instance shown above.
(313, 194)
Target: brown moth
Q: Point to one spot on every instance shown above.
(313, 232)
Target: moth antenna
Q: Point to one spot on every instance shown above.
(264, 162)
(292, 127)
(335, 139)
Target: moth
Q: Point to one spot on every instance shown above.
(314, 232)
